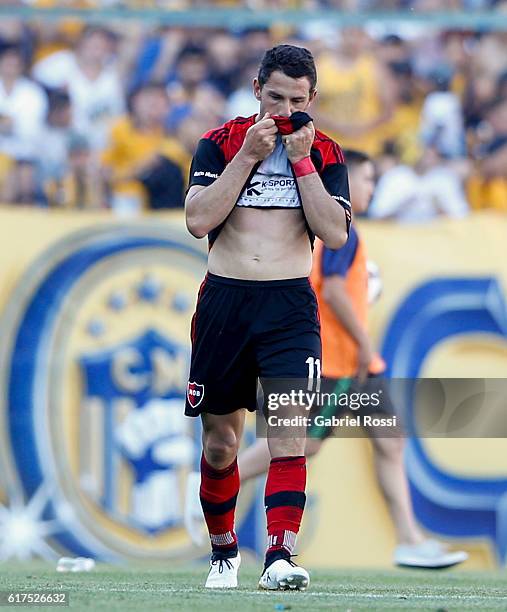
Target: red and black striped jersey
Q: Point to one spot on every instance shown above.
(272, 183)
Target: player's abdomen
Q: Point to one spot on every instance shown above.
(260, 244)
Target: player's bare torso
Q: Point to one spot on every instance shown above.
(257, 244)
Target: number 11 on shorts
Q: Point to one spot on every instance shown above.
(313, 373)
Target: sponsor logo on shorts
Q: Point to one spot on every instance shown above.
(195, 394)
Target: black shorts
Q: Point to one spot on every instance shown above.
(361, 400)
(243, 330)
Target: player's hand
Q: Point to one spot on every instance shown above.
(364, 358)
(260, 139)
(298, 144)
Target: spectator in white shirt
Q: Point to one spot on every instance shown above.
(52, 150)
(432, 189)
(23, 106)
(442, 123)
(92, 78)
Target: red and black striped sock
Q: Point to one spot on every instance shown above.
(285, 502)
(219, 491)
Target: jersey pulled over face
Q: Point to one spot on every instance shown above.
(273, 184)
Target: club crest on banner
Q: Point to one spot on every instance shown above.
(99, 330)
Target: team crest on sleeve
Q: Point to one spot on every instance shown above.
(195, 394)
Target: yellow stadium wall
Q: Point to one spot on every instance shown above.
(353, 527)
(347, 523)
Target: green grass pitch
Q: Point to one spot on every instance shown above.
(146, 589)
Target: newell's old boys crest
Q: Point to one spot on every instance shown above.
(195, 394)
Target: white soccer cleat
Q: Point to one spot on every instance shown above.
(429, 554)
(284, 575)
(223, 571)
(193, 517)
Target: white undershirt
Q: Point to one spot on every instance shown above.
(273, 184)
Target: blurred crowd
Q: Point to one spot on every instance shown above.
(346, 5)
(109, 116)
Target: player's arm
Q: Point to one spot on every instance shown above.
(328, 218)
(207, 206)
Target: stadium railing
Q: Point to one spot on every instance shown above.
(242, 17)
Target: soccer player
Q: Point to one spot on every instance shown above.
(260, 188)
(340, 281)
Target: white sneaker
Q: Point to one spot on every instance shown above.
(193, 517)
(223, 571)
(283, 575)
(430, 554)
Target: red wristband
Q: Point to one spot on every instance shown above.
(303, 167)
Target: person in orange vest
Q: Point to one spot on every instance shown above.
(350, 365)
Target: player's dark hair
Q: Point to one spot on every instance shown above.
(295, 62)
(355, 158)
